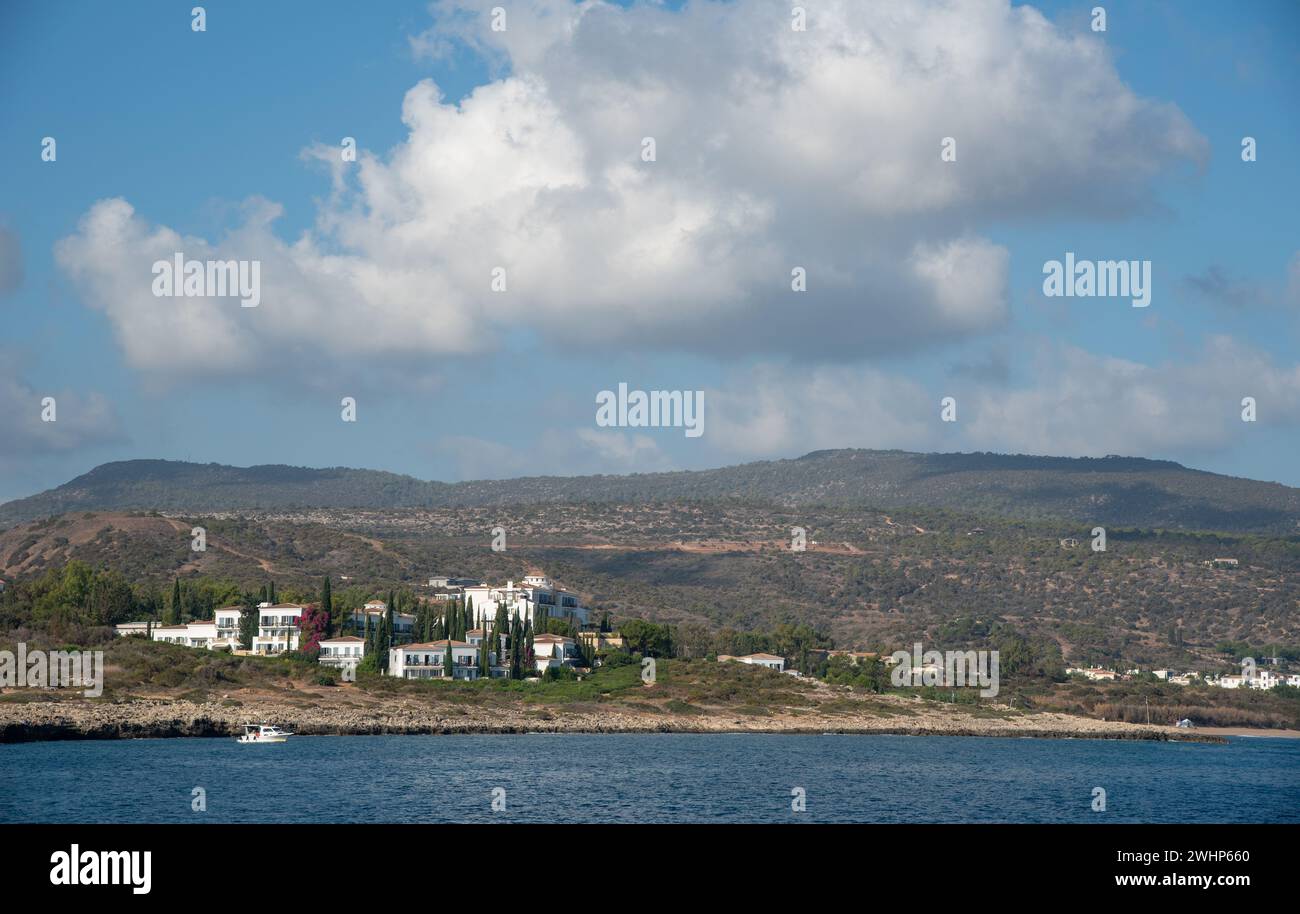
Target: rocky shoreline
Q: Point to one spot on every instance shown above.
(143, 719)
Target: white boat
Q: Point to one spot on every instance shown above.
(261, 733)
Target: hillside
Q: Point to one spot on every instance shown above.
(867, 578)
(1111, 491)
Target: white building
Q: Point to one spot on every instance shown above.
(193, 634)
(227, 622)
(771, 661)
(345, 651)
(278, 628)
(131, 628)
(536, 593)
(428, 660)
(374, 610)
(553, 651)
(172, 634)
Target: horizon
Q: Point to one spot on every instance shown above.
(800, 256)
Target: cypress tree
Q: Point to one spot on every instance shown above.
(516, 652)
(248, 622)
(270, 593)
(327, 604)
(174, 612)
(501, 621)
(447, 662)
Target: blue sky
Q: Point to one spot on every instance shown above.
(1116, 145)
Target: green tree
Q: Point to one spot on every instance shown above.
(174, 610)
(327, 602)
(248, 621)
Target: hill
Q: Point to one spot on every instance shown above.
(867, 579)
(1109, 491)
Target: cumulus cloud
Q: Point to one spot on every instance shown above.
(80, 419)
(775, 149)
(1071, 403)
(774, 411)
(557, 452)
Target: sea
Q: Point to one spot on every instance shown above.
(650, 778)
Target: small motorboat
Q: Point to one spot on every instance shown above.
(261, 733)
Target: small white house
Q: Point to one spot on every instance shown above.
(131, 628)
(346, 651)
(172, 634)
(559, 648)
(193, 634)
(771, 661)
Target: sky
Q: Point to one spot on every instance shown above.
(917, 163)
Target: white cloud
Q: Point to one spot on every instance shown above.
(1070, 402)
(555, 452)
(80, 419)
(1083, 404)
(775, 149)
(782, 411)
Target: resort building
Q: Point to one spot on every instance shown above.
(346, 651)
(193, 634)
(553, 651)
(278, 628)
(601, 641)
(428, 661)
(227, 620)
(374, 610)
(771, 661)
(536, 593)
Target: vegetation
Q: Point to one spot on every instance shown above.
(1114, 491)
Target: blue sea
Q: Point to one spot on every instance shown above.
(649, 778)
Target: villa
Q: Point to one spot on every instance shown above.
(771, 661)
(599, 641)
(278, 627)
(551, 652)
(526, 601)
(227, 622)
(192, 634)
(374, 610)
(1096, 674)
(428, 661)
(346, 651)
